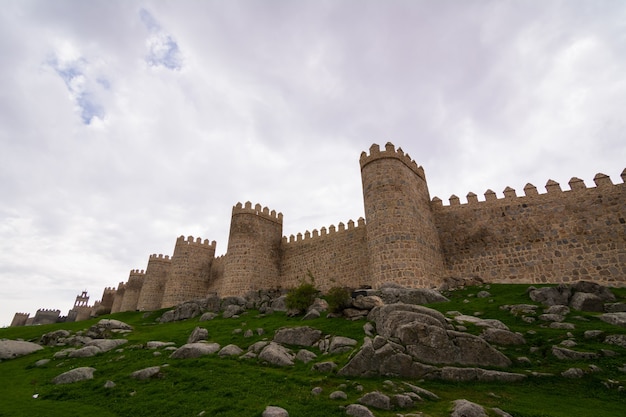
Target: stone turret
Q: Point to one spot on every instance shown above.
(190, 270)
(253, 260)
(154, 282)
(402, 238)
(133, 289)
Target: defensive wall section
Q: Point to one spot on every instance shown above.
(406, 238)
(333, 257)
(555, 237)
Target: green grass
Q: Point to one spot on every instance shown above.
(235, 387)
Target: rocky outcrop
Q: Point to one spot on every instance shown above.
(75, 375)
(582, 296)
(106, 328)
(10, 349)
(298, 336)
(278, 355)
(413, 341)
(195, 350)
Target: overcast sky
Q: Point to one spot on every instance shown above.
(124, 124)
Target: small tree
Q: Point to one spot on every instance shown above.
(338, 299)
(301, 297)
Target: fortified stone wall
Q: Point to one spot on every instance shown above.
(119, 297)
(132, 290)
(106, 302)
(151, 295)
(190, 270)
(46, 316)
(253, 255)
(556, 237)
(20, 319)
(337, 257)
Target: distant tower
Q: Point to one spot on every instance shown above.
(190, 270)
(106, 302)
(133, 288)
(116, 307)
(20, 319)
(253, 256)
(81, 310)
(402, 239)
(153, 287)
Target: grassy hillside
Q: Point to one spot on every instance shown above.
(214, 386)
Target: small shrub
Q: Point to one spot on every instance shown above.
(338, 299)
(301, 297)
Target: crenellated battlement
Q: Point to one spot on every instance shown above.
(258, 211)
(391, 152)
(190, 240)
(323, 232)
(405, 238)
(22, 314)
(159, 258)
(48, 310)
(552, 187)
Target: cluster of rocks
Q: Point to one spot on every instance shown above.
(267, 302)
(581, 296)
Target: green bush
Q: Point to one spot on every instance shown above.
(338, 299)
(301, 297)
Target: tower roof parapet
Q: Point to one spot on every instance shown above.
(190, 240)
(391, 152)
(160, 257)
(258, 211)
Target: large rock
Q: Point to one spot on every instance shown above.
(568, 354)
(195, 350)
(393, 294)
(377, 400)
(52, 338)
(358, 410)
(340, 344)
(618, 319)
(106, 344)
(586, 301)
(550, 296)
(230, 350)
(427, 338)
(184, 311)
(105, 328)
(275, 354)
(298, 336)
(10, 349)
(602, 292)
(84, 352)
(502, 337)
(272, 411)
(75, 375)
(367, 302)
(147, 373)
(197, 335)
(464, 408)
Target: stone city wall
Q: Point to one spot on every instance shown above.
(555, 237)
(337, 257)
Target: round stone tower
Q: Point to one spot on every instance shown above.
(189, 272)
(253, 256)
(403, 243)
(153, 287)
(133, 289)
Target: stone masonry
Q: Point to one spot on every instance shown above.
(406, 238)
